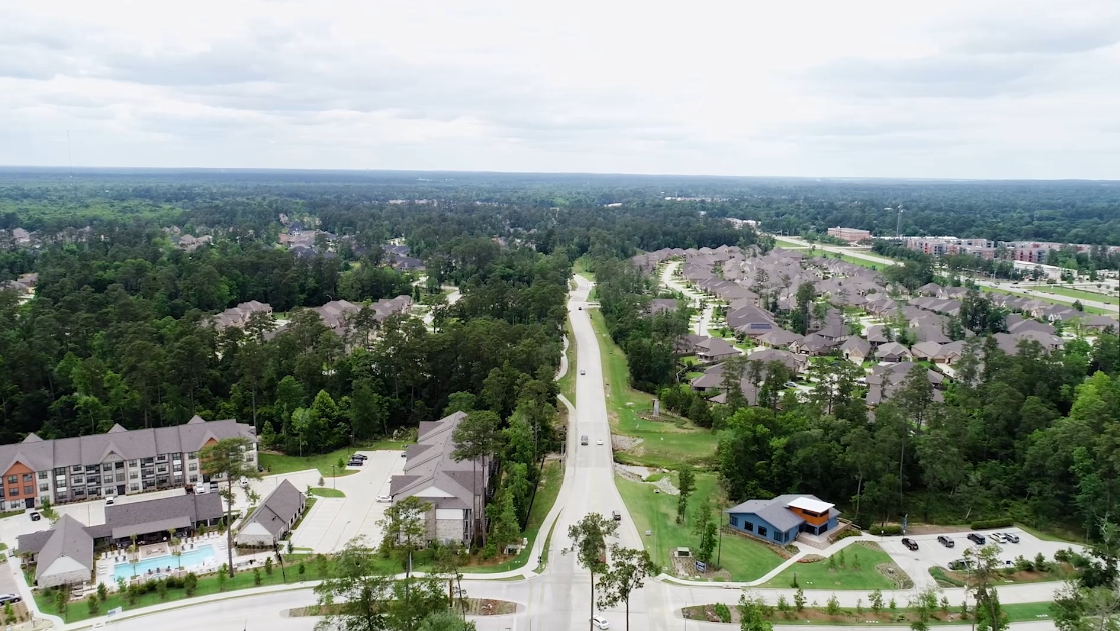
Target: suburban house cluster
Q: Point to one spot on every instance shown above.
(889, 333)
(120, 462)
(454, 489)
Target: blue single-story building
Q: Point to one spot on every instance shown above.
(781, 519)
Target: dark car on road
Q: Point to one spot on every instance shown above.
(975, 538)
(945, 541)
(354, 462)
(910, 543)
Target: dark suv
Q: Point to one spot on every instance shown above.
(975, 538)
(910, 543)
(945, 541)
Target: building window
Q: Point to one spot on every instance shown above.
(178, 468)
(762, 531)
(133, 475)
(146, 461)
(1, 492)
(194, 478)
(13, 479)
(15, 505)
(29, 490)
(734, 521)
(119, 464)
(44, 487)
(79, 479)
(193, 455)
(43, 475)
(748, 526)
(133, 487)
(192, 466)
(161, 458)
(28, 477)
(13, 492)
(133, 463)
(92, 468)
(76, 468)
(108, 466)
(108, 479)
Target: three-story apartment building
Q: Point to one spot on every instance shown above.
(120, 462)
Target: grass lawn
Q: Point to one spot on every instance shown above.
(1080, 294)
(280, 463)
(79, 610)
(818, 576)
(1088, 309)
(320, 491)
(854, 260)
(665, 444)
(789, 245)
(745, 559)
(568, 381)
(580, 267)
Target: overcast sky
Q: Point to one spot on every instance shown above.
(952, 88)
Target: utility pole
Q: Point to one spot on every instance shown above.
(898, 226)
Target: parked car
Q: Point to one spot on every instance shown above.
(9, 598)
(1010, 538)
(945, 541)
(359, 457)
(354, 462)
(998, 537)
(35, 516)
(976, 538)
(243, 482)
(910, 543)
(791, 384)
(616, 515)
(109, 501)
(961, 564)
(384, 499)
(600, 622)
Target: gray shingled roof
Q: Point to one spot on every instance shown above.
(120, 444)
(68, 539)
(435, 467)
(149, 516)
(279, 508)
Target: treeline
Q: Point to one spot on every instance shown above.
(1027, 437)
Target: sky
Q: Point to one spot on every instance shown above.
(1021, 89)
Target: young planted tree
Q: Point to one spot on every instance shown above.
(405, 527)
(589, 542)
(628, 572)
(476, 437)
(706, 529)
(176, 547)
(225, 460)
(686, 480)
(48, 511)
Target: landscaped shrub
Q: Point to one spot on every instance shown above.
(723, 612)
(992, 523)
(886, 531)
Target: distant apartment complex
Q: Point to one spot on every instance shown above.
(1033, 252)
(940, 246)
(851, 235)
(120, 462)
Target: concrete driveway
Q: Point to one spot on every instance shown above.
(334, 521)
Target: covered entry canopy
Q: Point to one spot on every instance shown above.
(162, 525)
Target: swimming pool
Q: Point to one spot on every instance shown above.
(189, 559)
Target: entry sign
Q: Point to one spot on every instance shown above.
(114, 612)
(701, 567)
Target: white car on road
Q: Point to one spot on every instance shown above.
(384, 499)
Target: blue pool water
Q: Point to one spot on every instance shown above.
(189, 559)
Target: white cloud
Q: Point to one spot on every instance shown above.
(1002, 88)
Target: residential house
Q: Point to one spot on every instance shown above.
(885, 380)
(714, 349)
(813, 344)
(659, 305)
(778, 338)
(893, 352)
(120, 462)
(856, 349)
(925, 350)
(274, 518)
(794, 362)
(949, 353)
(455, 489)
(783, 518)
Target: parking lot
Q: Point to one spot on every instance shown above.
(334, 521)
(930, 553)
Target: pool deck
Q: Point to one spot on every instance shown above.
(106, 565)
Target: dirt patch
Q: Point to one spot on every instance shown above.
(818, 615)
(631, 472)
(624, 443)
(474, 607)
(686, 568)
